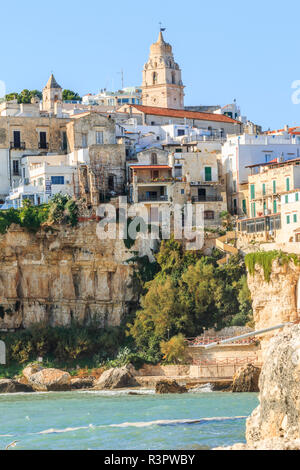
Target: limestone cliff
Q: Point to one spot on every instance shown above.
(274, 302)
(63, 274)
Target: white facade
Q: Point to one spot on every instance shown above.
(238, 152)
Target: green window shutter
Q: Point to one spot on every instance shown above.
(265, 208)
(274, 187)
(286, 199)
(253, 209)
(295, 218)
(288, 184)
(252, 191)
(275, 207)
(297, 197)
(288, 219)
(244, 206)
(208, 175)
(264, 189)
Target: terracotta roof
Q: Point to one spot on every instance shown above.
(181, 113)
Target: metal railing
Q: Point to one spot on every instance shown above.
(18, 145)
(226, 361)
(153, 198)
(207, 199)
(44, 145)
(203, 341)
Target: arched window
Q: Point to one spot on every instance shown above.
(209, 215)
(153, 159)
(154, 78)
(173, 78)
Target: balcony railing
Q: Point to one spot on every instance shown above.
(155, 180)
(153, 198)
(207, 199)
(17, 145)
(43, 145)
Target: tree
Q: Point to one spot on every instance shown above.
(174, 349)
(69, 95)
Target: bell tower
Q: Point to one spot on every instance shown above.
(162, 83)
(52, 95)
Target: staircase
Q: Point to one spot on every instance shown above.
(223, 244)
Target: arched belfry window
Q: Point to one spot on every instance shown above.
(154, 78)
(173, 78)
(154, 159)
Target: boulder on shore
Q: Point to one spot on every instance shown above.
(169, 386)
(246, 379)
(13, 386)
(81, 383)
(47, 380)
(116, 378)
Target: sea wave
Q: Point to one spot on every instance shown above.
(119, 392)
(144, 424)
(206, 388)
(176, 422)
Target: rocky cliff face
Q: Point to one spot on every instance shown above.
(64, 274)
(278, 415)
(274, 302)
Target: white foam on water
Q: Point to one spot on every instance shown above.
(62, 431)
(119, 392)
(174, 422)
(206, 388)
(144, 424)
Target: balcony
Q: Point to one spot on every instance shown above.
(44, 145)
(207, 199)
(17, 146)
(160, 179)
(144, 198)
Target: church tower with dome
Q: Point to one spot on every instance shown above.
(162, 83)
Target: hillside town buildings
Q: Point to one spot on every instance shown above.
(145, 144)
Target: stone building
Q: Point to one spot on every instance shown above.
(159, 177)
(162, 83)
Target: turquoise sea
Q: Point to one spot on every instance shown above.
(121, 421)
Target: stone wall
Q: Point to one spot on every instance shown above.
(63, 275)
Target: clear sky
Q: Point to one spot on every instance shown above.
(226, 48)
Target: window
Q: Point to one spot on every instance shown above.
(264, 189)
(84, 141)
(274, 187)
(275, 207)
(286, 199)
(252, 191)
(57, 180)
(43, 140)
(287, 181)
(40, 181)
(244, 206)
(208, 176)
(265, 208)
(173, 78)
(153, 159)
(64, 141)
(182, 191)
(209, 215)
(297, 197)
(288, 219)
(154, 78)
(234, 186)
(180, 132)
(99, 137)
(253, 209)
(178, 171)
(295, 218)
(16, 167)
(17, 139)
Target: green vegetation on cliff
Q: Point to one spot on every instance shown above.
(61, 210)
(265, 260)
(189, 292)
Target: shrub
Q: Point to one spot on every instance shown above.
(174, 349)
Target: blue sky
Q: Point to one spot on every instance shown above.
(226, 49)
